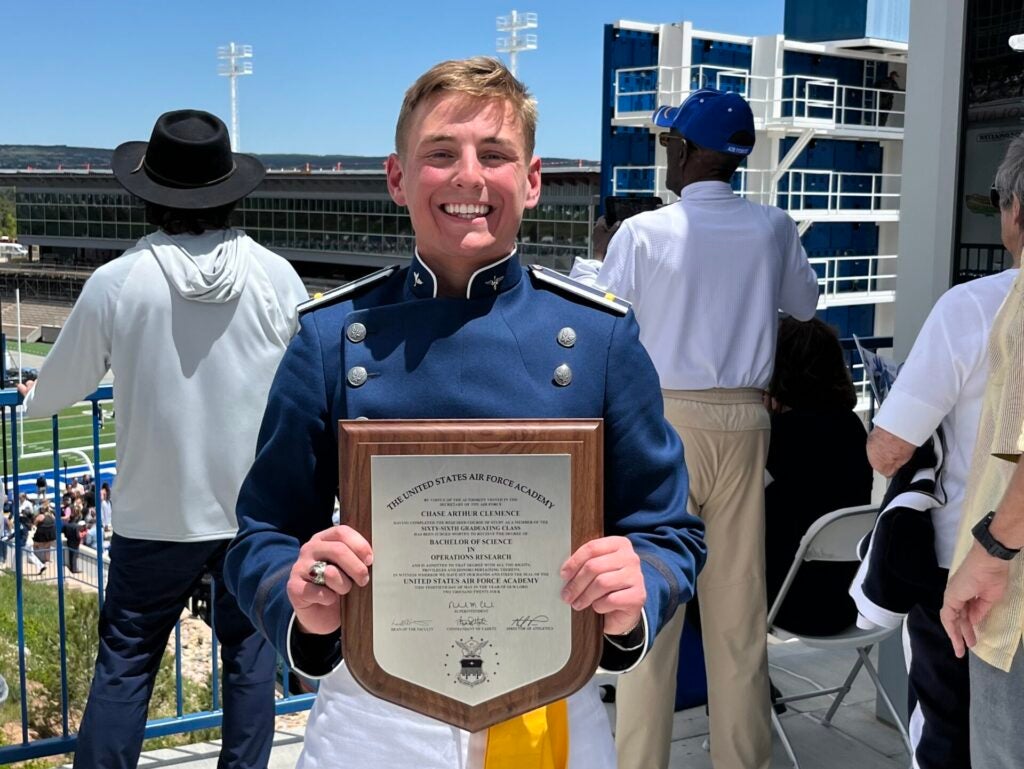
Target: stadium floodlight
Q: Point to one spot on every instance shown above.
(1017, 42)
(235, 62)
(516, 23)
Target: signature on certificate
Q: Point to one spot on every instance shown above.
(530, 622)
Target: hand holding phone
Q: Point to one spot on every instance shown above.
(620, 207)
(601, 237)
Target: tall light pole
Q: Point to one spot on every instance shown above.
(514, 24)
(235, 62)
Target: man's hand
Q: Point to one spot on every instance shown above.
(601, 236)
(348, 556)
(887, 453)
(604, 574)
(973, 590)
(26, 387)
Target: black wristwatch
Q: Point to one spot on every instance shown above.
(992, 545)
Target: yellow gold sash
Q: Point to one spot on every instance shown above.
(535, 740)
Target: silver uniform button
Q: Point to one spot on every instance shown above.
(567, 337)
(563, 375)
(356, 332)
(356, 376)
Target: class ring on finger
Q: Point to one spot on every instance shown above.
(317, 573)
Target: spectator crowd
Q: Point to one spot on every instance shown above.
(38, 519)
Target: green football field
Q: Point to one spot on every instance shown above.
(75, 425)
(30, 348)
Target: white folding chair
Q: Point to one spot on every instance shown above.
(834, 538)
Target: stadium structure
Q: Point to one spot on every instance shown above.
(332, 225)
(829, 120)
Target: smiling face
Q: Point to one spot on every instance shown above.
(466, 178)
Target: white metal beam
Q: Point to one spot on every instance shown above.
(784, 165)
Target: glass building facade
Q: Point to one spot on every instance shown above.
(304, 217)
(990, 118)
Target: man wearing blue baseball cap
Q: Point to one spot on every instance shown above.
(707, 276)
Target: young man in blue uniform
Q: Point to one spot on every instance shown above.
(464, 332)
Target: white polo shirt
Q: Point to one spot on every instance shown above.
(943, 382)
(707, 276)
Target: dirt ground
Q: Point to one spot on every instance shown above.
(196, 653)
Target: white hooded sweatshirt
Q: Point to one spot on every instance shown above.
(193, 327)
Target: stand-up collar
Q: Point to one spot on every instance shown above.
(489, 280)
(706, 191)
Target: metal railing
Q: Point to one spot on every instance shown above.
(806, 190)
(85, 572)
(90, 580)
(866, 106)
(804, 100)
(813, 189)
(798, 100)
(640, 90)
(855, 279)
(638, 180)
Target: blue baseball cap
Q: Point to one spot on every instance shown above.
(712, 119)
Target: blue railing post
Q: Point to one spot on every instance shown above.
(21, 542)
(215, 704)
(178, 695)
(97, 469)
(59, 547)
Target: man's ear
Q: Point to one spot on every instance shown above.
(396, 178)
(684, 153)
(533, 183)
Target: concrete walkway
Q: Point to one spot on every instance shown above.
(856, 740)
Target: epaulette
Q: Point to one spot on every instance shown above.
(570, 286)
(346, 291)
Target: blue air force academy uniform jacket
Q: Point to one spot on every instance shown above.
(393, 350)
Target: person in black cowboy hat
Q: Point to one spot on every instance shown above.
(193, 320)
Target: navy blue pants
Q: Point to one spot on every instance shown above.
(148, 586)
(939, 694)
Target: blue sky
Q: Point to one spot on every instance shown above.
(329, 74)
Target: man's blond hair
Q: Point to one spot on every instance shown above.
(481, 77)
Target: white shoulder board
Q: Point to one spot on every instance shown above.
(344, 292)
(569, 286)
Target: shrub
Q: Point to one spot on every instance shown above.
(42, 659)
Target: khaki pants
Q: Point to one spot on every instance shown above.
(725, 440)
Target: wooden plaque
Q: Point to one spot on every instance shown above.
(470, 522)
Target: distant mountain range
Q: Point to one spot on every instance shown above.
(22, 156)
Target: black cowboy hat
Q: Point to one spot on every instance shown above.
(187, 163)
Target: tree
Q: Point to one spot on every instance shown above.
(8, 221)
